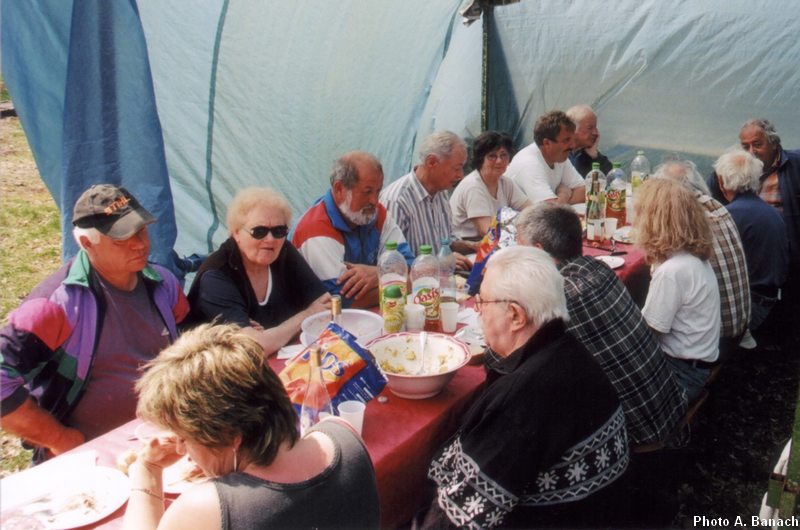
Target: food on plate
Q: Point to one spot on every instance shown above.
(191, 472)
(435, 362)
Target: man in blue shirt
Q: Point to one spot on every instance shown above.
(761, 228)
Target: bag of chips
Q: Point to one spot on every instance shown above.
(349, 371)
(502, 233)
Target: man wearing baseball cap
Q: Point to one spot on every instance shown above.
(72, 351)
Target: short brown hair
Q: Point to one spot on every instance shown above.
(549, 126)
(213, 384)
(668, 220)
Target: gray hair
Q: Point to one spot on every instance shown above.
(766, 126)
(529, 277)
(441, 145)
(578, 113)
(91, 233)
(683, 172)
(739, 171)
(345, 168)
(556, 227)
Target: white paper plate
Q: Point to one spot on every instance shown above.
(173, 477)
(90, 494)
(623, 235)
(615, 262)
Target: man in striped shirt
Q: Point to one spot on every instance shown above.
(419, 200)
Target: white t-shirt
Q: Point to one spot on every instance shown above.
(538, 180)
(683, 305)
(471, 199)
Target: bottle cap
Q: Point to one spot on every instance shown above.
(616, 165)
(391, 245)
(393, 291)
(445, 241)
(595, 165)
(640, 152)
(425, 249)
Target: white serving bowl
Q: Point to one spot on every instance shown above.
(363, 325)
(397, 355)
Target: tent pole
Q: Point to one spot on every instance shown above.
(488, 13)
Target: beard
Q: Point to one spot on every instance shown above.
(362, 217)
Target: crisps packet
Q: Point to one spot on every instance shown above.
(501, 234)
(349, 371)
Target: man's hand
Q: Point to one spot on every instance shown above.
(563, 194)
(68, 438)
(358, 280)
(462, 262)
(39, 427)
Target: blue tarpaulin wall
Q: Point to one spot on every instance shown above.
(185, 102)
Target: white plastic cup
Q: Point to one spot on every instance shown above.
(449, 312)
(611, 227)
(415, 317)
(353, 413)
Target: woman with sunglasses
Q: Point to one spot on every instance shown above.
(480, 194)
(257, 279)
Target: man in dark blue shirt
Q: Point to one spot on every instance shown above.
(761, 228)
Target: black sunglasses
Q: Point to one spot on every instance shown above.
(260, 232)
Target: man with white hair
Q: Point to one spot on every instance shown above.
(587, 139)
(728, 260)
(419, 200)
(761, 228)
(545, 444)
(542, 169)
(72, 351)
(779, 186)
(342, 235)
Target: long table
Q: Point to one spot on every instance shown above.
(401, 435)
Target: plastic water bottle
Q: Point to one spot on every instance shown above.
(640, 171)
(447, 272)
(600, 177)
(392, 270)
(616, 205)
(425, 286)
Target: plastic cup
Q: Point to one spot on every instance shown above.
(611, 227)
(449, 312)
(415, 317)
(353, 413)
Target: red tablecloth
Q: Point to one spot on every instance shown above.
(635, 274)
(401, 436)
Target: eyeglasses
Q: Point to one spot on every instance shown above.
(260, 232)
(479, 302)
(494, 157)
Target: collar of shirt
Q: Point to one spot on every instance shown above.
(418, 190)
(337, 220)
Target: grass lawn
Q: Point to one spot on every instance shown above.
(30, 244)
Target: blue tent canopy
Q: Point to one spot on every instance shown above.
(185, 102)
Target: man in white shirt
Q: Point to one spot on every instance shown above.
(542, 169)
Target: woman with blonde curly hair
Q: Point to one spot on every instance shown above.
(683, 303)
(223, 406)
